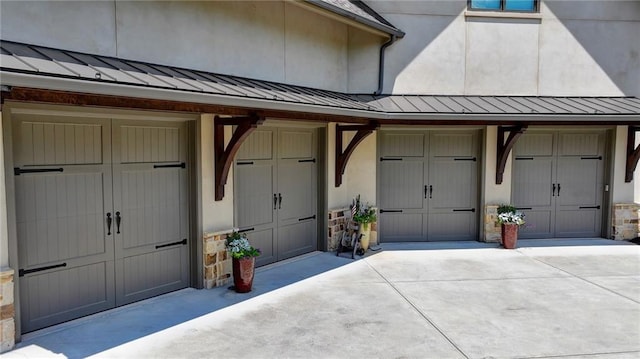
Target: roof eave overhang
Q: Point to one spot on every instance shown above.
(326, 9)
(332, 114)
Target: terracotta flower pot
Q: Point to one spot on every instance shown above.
(243, 272)
(509, 235)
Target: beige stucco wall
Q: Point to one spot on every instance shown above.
(581, 47)
(269, 40)
(216, 215)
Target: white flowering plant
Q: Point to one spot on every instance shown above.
(239, 247)
(509, 214)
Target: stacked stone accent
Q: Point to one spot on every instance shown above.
(625, 221)
(217, 262)
(7, 312)
(338, 219)
(492, 231)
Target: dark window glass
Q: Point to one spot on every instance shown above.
(504, 5)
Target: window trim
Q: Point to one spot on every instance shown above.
(536, 8)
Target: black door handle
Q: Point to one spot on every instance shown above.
(118, 219)
(109, 223)
(558, 189)
(430, 191)
(279, 201)
(553, 193)
(275, 202)
(425, 192)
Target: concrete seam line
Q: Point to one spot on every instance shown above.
(585, 280)
(580, 354)
(423, 315)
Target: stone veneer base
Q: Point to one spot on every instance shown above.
(7, 311)
(492, 231)
(625, 221)
(217, 263)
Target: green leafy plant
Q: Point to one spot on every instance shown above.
(239, 247)
(510, 215)
(363, 214)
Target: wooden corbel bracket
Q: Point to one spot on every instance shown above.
(342, 157)
(504, 148)
(633, 153)
(224, 156)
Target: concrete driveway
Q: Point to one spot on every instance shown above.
(547, 299)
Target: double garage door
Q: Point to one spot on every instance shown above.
(558, 182)
(102, 214)
(428, 185)
(276, 191)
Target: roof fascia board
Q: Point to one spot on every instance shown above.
(348, 18)
(386, 118)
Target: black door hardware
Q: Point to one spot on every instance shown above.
(390, 211)
(589, 207)
(389, 159)
(465, 210)
(244, 163)
(118, 219)
(430, 191)
(22, 272)
(18, 171)
(184, 241)
(275, 202)
(303, 161)
(306, 218)
(279, 201)
(553, 193)
(246, 230)
(109, 223)
(176, 165)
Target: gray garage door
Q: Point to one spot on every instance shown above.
(427, 185)
(275, 192)
(558, 183)
(101, 214)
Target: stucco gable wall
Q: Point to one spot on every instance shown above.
(267, 40)
(586, 48)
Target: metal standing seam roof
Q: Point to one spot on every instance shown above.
(19, 58)
(359, 12)
(43, 61)
(503, 105)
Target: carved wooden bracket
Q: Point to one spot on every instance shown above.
(504, 148)
(633, 153)
(224, 156)
(342, 157)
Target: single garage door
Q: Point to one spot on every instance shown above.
(558, 182)
(427, 185)
(276, 192)
(102, 214)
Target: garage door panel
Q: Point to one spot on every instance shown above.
(532, 181)
(296, 187)
(579, 144)
(254, 204)
(453, 183)
(140, 144)
(152, 273)
(401, 227)
(55, 296)
(52, 143)
(456, 226)
(535, 144)
(459, 144)
(539, 224)
(60, 216)
(578, 223)
(402, 145)
(401, 184)
(151, 207)
(296, 239)
(258, 146)
(579, 181)
(296, 144)
(264, 240)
